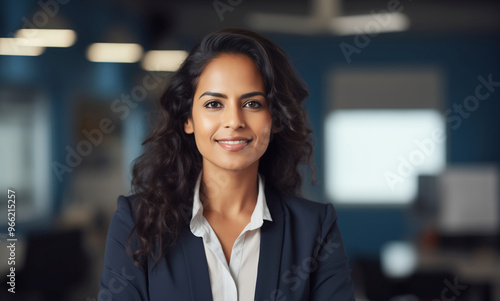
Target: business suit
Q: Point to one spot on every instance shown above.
(301, 257)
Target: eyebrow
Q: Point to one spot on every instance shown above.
(246, 95)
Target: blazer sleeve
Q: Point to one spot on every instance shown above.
(120, 278)
(332, 278)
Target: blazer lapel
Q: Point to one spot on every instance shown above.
(271, 244)
(197, 266)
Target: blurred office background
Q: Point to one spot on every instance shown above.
(404, 103)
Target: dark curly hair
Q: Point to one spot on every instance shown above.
(164, 176)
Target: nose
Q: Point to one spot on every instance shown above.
(233, 117)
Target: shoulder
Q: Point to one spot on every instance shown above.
(306, 213)
(307, 208)
(123, 220)
(126, 208)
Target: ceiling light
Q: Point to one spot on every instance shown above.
(13, 46)
(163, 60)
(114, 52)
(369, 24)
(47, 37)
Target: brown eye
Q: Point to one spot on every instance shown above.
(256, 104)
(210, 105)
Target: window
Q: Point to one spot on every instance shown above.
(25, 152)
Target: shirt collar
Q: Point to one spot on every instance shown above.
(260, 213)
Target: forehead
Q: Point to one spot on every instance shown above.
(231, 72)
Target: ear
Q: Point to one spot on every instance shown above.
(188, 126)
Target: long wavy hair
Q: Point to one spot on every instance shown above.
(164, 176)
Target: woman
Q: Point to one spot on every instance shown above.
(217, 212)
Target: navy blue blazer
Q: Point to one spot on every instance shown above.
(302, 257)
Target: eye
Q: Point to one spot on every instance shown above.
(210, 104)
(257, 104)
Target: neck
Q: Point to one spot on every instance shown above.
(229, 193)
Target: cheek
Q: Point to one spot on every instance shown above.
(204, 124)
(263, 137)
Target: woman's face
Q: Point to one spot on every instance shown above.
(230, 102)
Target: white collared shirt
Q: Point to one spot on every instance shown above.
(236, 281)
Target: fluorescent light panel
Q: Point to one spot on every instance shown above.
(46, 37)
(163, 60)
(114, 52)
(14, 46)
(369, 24)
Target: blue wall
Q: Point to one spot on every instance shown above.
(462, 58)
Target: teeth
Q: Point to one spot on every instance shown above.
(233, 142)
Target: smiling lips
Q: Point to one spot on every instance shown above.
(234, 144)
